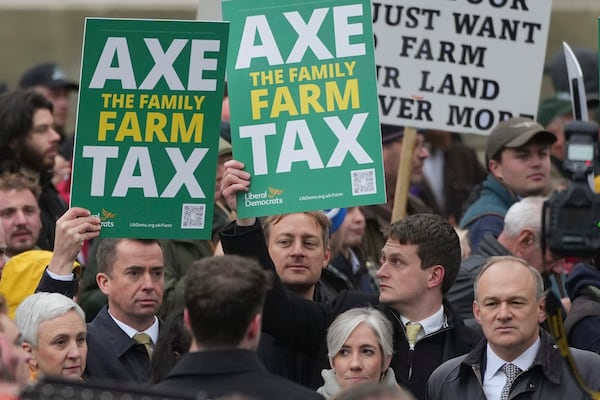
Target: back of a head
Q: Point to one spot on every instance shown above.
(524, 214)
(222, 295)
(437, 242)
(40, 307)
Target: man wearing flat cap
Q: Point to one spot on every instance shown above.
(518, 161)
(378, 217)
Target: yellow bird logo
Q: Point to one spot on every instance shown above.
(274, 192)
(107, 215)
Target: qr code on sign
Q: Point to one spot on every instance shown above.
(192, 216)
(363, 181)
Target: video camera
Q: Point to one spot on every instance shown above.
(571, 218)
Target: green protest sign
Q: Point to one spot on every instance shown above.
(304, 108)
(148, 121)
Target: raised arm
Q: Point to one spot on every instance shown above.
(235, 180)
(73, 228)
(296, 321)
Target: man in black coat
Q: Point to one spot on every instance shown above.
(298, 244)
(224, 297)
(420, 261)
(131, 275)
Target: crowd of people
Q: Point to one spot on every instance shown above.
(448, 302)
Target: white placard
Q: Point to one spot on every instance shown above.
(459, 65)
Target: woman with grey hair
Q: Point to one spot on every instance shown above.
(360, 348)
(54, 332)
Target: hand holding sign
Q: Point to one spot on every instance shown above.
(72, 229)
(235, 180)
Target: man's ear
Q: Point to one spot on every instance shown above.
(186, 318)
(476, 312)
(526, 239)
(495, 169)
(103, 281)
(542, 315)
(327, 256)
(436, 276)
(251, 338)
(254, 327)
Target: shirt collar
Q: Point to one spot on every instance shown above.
(152, 331)
(523, 361)
(431, 324)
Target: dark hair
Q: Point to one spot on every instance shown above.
(16, 120)
(222, 295)
(106, 255)
(436, 240)
(173, 341)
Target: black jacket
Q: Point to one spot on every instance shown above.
(303, 324)
(461, 292)
(283, 360)
(217, 373)
(582, 324)
(462, 174)
(52, 207)
(51, 285)
(112, 354)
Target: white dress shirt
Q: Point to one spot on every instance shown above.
(152, 331)
(495, 378)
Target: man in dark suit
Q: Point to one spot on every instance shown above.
(224, 297)
(131, 275)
